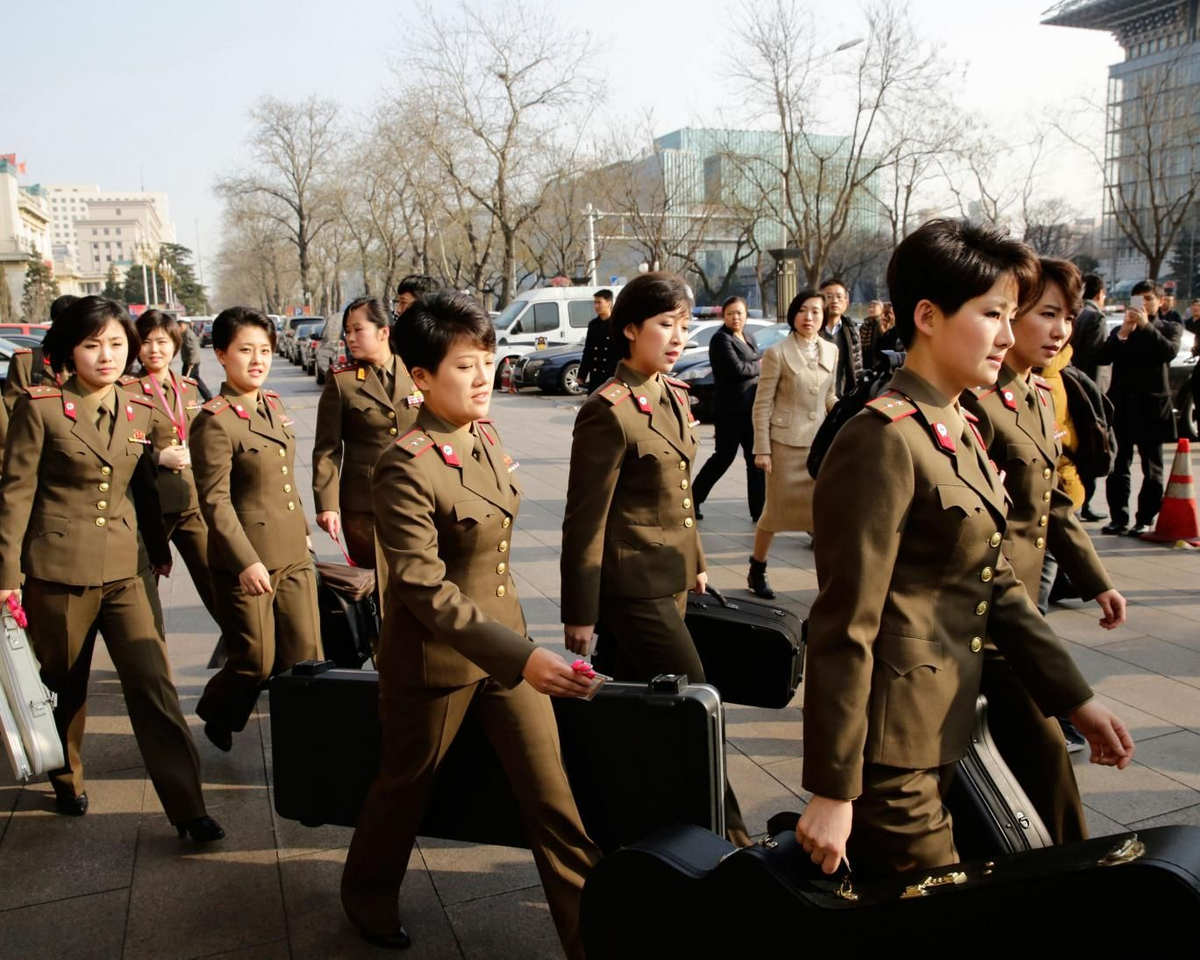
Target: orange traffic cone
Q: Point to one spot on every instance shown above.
(1177, 520)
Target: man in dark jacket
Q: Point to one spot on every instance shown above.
(1140, 351)
(599, 358)
(1087, 343)
(841, 332)
(189, 356)
(735, 366)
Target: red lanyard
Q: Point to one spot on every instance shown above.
(179, 424)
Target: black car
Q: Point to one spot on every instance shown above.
(695, 369)
(553, 370)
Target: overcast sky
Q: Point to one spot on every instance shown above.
(130, 93)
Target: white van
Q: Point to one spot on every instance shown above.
(541, 318)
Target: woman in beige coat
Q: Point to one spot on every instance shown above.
(797, 388)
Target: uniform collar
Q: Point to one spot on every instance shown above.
(249, 401)
(1009, 379)
(459, 438)
(648, 386)
(93, 403)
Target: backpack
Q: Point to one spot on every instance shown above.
(1091, 412)
(871, 383)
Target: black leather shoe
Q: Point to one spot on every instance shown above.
(1114, 529)
(221, 737)
(699, 515)
(71, 806)
(396, 940)
(1138, 529)
(1090, 515)
(201, 830)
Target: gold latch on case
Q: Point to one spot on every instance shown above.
(1124, 852)
(929, 883)
(845, 890)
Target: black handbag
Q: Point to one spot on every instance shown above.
(349, 613)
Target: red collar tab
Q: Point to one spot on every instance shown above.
(942, 435)
(129, 411)
(69, 410)
(449, 455)
(643, 403)
(241, 411)
(1008, 398)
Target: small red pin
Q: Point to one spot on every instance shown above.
(945, 441)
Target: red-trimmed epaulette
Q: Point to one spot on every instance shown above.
(982, 392)
(677, 383)
(138, 398)
(21, 350)
(216, 405)
(892, 406)
(415, 442)
(194, 383)
(344, 367)
(40, 393)
(129, 379)
(614, 392)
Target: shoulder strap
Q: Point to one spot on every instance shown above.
(216, 405)
(892, 406)
(415, 442)
(614, 392)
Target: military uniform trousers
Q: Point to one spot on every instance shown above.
(419, 725)
(1034, 749)
(189, 533)
(63, 620)
(652, 639)
(263, 636)
(901, 822)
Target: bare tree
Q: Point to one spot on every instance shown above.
(254, 263)
(819, 186)
(294, 146)
(504, 87)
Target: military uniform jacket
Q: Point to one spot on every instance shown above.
(444, 522)
(176, 488)
(20, 376)
(912, 580)
(244, 465)
(356, 421)
(1017, 422)
(67, 512)
(629, 529)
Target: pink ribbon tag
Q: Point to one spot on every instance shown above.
(18, 612)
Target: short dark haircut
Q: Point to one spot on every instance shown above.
(1093, 286)
(1152, 287)
(152, 320)
(426, 331)
(603, 295)
(645, 296)
(808, 293)
(949, 262)
(730, 301)
(375, 311)
(230, 321)
(60, 305)
(1064, 275)
(830, 281)
(418, 284)
(82, 320)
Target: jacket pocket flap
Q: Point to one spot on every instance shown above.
(42, 524)
(958, 495)
(639, 535)
(249, 518)
(652, 448)
(69, 447)
(905, 654)
(477, 510)
(1025, 452)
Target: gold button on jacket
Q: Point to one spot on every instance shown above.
(1019, 432)
(236, 463)
(891, 676)
(55, 460)
(356, 421)
(176, 488)
(439, 519)
(626, 532)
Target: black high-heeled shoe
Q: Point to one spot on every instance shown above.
(201, 830)
(72, 806)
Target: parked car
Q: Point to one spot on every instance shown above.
(37, 330)
(296, 336)
(695, 369)
(556, 369)
(7, 349)
(331, 350)
(308, 348)
(546, 317)
(23, 341)
(284, 343)
(203, 327)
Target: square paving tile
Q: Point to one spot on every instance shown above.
(90, 927)
(511, 926)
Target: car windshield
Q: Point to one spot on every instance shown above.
(702, 338)
(768, 336)
(7, 349)
(509, 314)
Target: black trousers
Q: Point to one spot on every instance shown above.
(732, 432)
(193, 371)
(1146, 439)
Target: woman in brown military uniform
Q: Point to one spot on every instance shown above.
(176, 401)
(1018, 414)
(454, 637)
(366, 404)
(68, 524)
(630, 543)
(913, 578)
(243, 453)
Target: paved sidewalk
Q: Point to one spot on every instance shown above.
(119, 884)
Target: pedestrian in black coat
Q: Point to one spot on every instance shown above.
(189, 355)
(1087, 344)
(735, 365)
(599, 359)
(1140, 351)
(841, 332)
